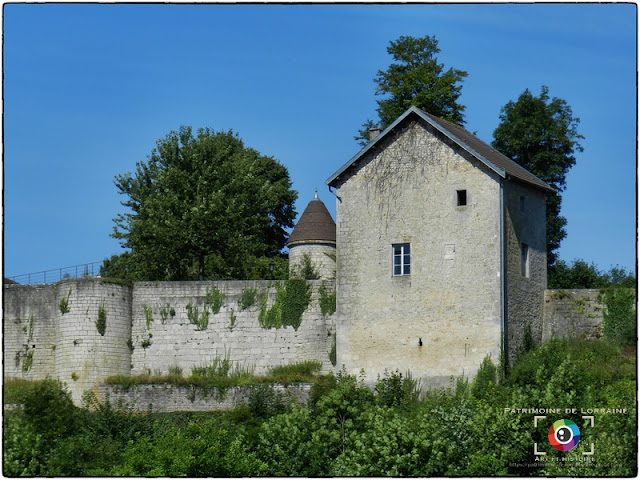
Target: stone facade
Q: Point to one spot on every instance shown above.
(469, 224)
(443, 318)
(526, 277)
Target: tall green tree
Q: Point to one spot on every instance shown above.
(201, 206)
(415, 78)
(541, 134)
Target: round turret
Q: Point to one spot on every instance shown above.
(312, 244)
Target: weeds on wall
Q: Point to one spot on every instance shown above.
(307, 269)
(200, 320)
(148, 315)
(214, 298)
(332, 352)
(101, 323)
(327, 301)
(64, 304)
(233, 320)
(165, 311)
(292, 299)
(248, 298)
(27, 363)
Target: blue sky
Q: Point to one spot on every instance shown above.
(88, 89)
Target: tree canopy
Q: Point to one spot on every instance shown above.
(201, 207)
(416, 79)
(541, 134)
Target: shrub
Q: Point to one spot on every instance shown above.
(265, 401)
(394, 390)
(247, 298)
(619, 316)
(486, 379)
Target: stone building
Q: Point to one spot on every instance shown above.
(313, 240)
(441, 252)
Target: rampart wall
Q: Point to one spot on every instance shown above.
(572, 313)
(52, 330)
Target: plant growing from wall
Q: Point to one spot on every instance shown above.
(232, 323)
(148, 315)
(200, 320)
(30, 331)
(64, 304)
(247, 298)
(327, 301)
(146, 343)
(130, 344)
(214, 298)
(332, 352)
(307, 269)
(101, 323)
(292, 299)
(165, 311)
(27, 363)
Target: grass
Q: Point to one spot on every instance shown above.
(222, 373)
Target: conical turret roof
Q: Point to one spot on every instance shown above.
(315, 225)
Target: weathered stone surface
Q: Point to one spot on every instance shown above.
(172, 398)
(572, 313)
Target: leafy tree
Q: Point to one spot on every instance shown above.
(541, 134)
(202, 206)
(416, 79)
(581, 274)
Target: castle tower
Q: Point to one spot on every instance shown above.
(313, 242)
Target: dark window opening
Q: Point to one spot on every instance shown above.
(462, 197)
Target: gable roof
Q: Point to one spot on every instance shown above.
(496, 161)
(315, 225)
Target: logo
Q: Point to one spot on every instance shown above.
(564, 435)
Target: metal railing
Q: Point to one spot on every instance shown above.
(57, 274)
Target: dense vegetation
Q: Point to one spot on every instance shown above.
(203, 206)
(347, 429)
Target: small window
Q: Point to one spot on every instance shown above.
(401, 259)
(462, 198)
(522, 204)
(524, 260)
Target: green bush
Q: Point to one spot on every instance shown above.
(394, 390)
(486, 379)
(619, 316)
(265, 402)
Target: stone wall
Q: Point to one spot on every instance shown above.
(172, 398)
(321, 255)
(43, 339)
(445, 317)
(148, 330)
(572, 313)
(173, 341)
(525, 289)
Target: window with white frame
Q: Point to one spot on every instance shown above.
(524, 260)
(401, 259)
